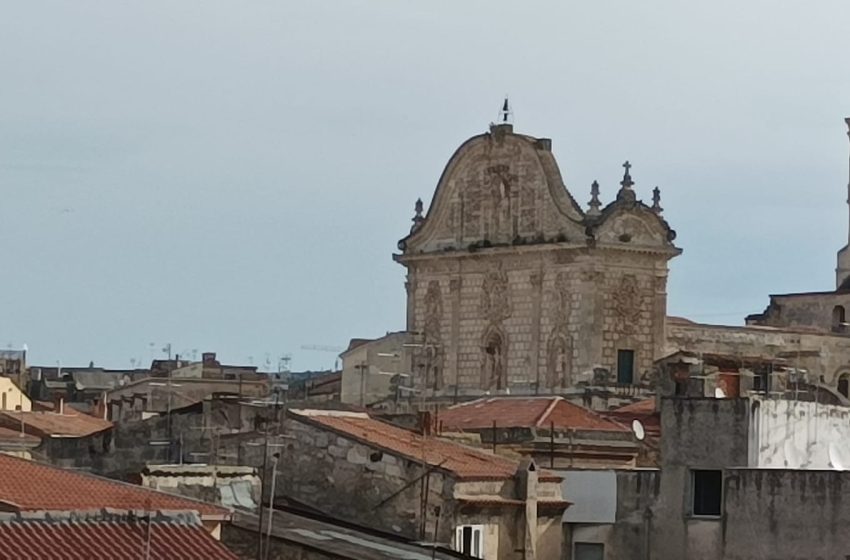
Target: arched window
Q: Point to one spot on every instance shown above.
(839, 318)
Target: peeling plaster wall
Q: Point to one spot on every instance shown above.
(798, 435)
(786, 515)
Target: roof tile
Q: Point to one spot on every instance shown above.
(523, 412)
(45, 540)
(30, 486)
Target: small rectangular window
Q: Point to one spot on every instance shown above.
(469, 540)
(589, 551)
(706, 492)
(625, 367)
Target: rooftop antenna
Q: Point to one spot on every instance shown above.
(506, 115)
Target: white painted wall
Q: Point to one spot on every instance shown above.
(798, 435)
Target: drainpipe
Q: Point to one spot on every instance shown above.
(647, 533)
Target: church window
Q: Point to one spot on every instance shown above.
(625, 367)
(839, 318)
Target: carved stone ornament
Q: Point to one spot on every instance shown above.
(433, 311)
(558, 360)
(495, 303)
(627, 303)
(561, 300)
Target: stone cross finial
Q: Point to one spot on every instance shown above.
(627, 177)
(656, 201)
(594, 203)
(626, 193)
(417, 217)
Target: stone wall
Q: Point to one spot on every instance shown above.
(824, 356)
(557, 316)
(809, 310)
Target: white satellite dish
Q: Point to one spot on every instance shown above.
(638, 429)
(719, 393)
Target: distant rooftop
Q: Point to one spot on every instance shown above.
(523, 412)
(465, 463)
(31, 486)
(53, 424)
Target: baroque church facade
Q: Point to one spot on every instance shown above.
(513, 286)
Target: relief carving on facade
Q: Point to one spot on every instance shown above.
(494, 360)
(627, 304)
(500, 187)
(495, 304)
(433, 363)
(559, 346)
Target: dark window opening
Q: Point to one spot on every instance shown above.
(707, 492)
(625, 367)
(589, 551)
(844, 385)
(839, 318)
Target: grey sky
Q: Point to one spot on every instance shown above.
(234, 176)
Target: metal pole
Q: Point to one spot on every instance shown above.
(262, 494)
(551, 445)
(494, 436)
(436, 532)
(271, 508)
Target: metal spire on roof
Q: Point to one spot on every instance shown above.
(506, 114)
(417, 217)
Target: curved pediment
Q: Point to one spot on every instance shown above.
(633, 225)
(498, 188)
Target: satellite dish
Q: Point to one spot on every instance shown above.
(719, 393)
(638, 429)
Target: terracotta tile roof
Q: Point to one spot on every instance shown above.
(523, 412)
(47, 424)
(646, 406)
(45, 540)
(30, 486)
(8, 435)
(642, 410)
(465, 463)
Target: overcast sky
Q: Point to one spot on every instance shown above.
(234, 176)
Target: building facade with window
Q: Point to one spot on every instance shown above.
(512, 286)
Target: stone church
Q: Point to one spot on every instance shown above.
(512, 285)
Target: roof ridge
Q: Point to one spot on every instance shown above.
(548, 410)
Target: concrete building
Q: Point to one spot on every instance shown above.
(513, 286)
(743, 478)
(373, 370)
(12, 397)
(419, 487)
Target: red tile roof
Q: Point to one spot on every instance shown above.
(45, 540)
(47, 424)
(30, 486)
(646, 406)
(523, 412)
(14, 436)
(465, 463)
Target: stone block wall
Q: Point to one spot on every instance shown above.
(362, 484)
(559, 315)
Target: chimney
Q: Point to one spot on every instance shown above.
(425, 423)
(61, 405)
(526, 478)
